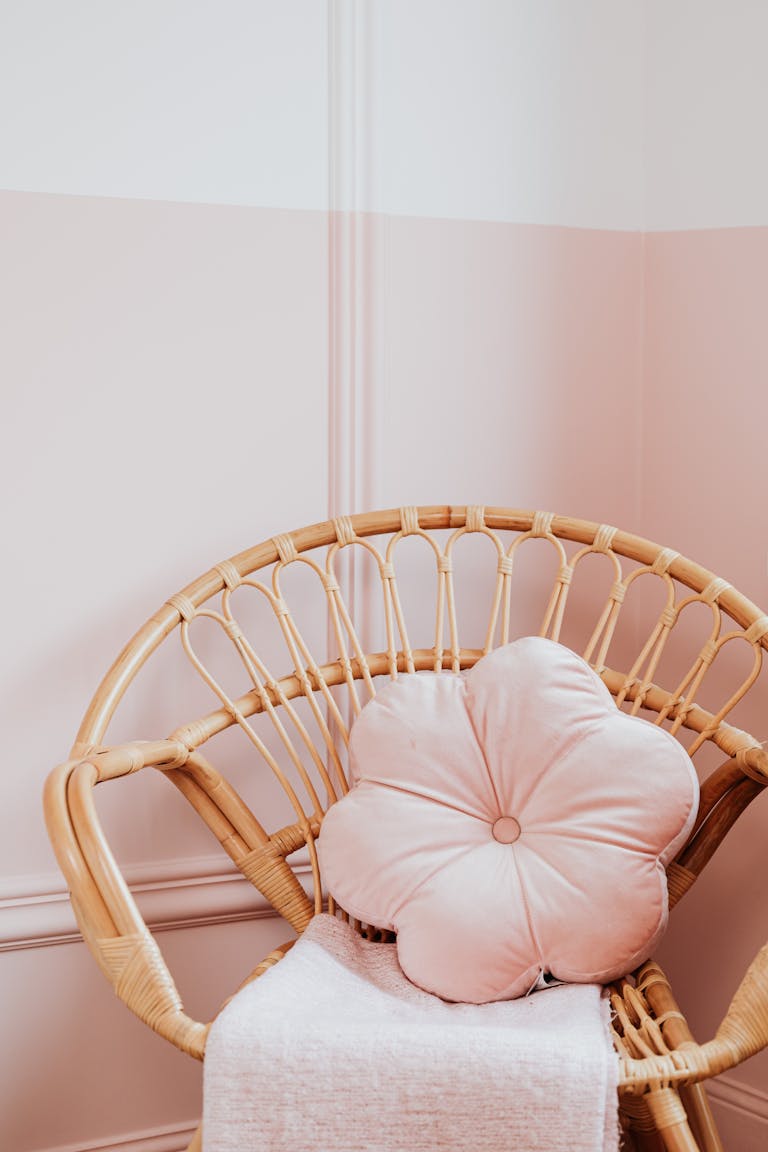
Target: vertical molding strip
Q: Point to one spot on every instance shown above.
(352, 263)
(342, 310)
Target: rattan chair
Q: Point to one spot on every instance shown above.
(538, 574)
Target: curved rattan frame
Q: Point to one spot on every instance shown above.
(659, 1059)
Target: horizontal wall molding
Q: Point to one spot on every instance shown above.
(726, 1092)
(168, 1138)
(189, 893)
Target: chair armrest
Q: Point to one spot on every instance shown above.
(106, 912)
(744, 1028)
(650, 1060)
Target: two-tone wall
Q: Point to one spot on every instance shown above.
(705, 404)
(163, 307)
(264, 263)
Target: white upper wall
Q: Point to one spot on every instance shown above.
(706, 105)
(211, 101)
(603, 113)
(476, 109)
(511, 110)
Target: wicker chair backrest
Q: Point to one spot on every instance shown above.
(672, 642)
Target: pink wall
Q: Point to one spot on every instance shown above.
(705, 399)
(190, 422)
(138, 336)
(151, 381)
(705, 406)
(160, 414)
(512, 353)
(174, 393)
(704, 403)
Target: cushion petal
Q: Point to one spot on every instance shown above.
(523, 699)
(565, 886)
(644, 758)
(461, 929)
(374, 865)
(418, 735)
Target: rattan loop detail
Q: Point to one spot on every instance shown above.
(742, 758)
(228, 573)
(178, 761)
(641, 694)
(673, 1014)
(679, 880)
(506, 566)
(268, 871)
(542, 523)
(475, 517)
(409, 520)
(708, 652)
(714, 589)
(681, 708)
(668, 617)
(666, 1107)
(345, 532)
(233, 629)
(286, 549)
(757, 630)
(664, 561)
(135, 760)
(650, 974)
(141, 979)
(387, 571)
(183, 606)
(444, 565)
(618, 592)
(604, 538)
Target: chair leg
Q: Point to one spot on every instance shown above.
(669, 1116)
(701, 1119)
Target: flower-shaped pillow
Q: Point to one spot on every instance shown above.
(510, 824)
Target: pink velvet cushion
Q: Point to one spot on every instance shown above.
(508, 823)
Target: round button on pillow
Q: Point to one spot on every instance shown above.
(509, 822)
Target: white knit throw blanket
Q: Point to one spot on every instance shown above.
(334, 1050)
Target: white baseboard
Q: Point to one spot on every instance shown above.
(172, 894)
(168, 1138)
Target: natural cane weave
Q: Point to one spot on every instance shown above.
(295, 698)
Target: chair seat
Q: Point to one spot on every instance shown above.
(334, 1048)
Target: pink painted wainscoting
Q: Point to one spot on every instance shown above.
(705, 414)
